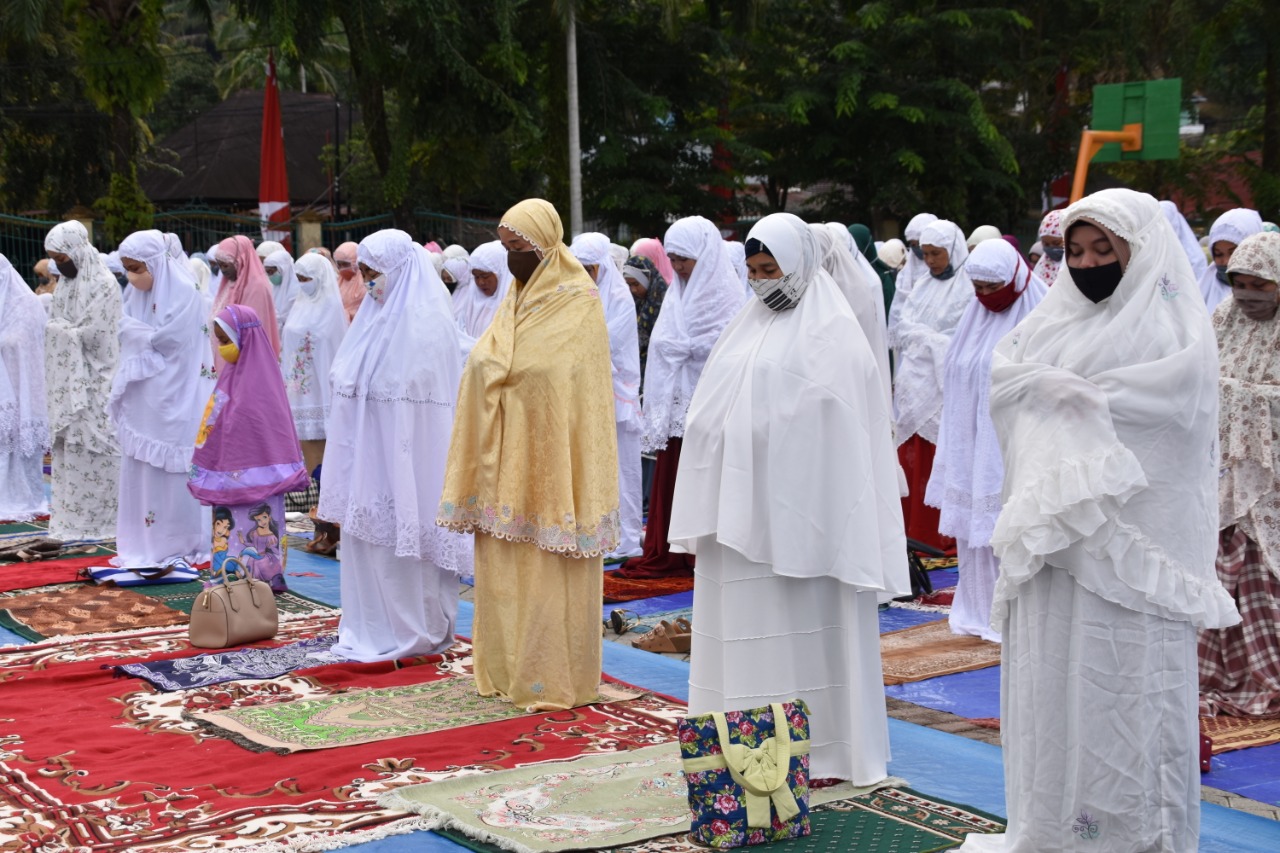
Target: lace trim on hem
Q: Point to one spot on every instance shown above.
(172, 458)
(570, 540)
(27, 436)
(375, 398)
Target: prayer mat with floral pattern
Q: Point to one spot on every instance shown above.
(930, 650)
(92, 761)
(84, 609)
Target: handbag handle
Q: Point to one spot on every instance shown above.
(762, 772)
(243, 575)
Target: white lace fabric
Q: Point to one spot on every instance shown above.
(309, 342)
(395, 381)
(1249, 388)
(81, 348)
(1106, 412)
(693, 315)
(968, 472)
(24, 422)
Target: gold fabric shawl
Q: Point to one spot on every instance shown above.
(534, 456)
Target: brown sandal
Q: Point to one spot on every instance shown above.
(666, 637)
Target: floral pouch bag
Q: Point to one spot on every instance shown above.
(747, 774)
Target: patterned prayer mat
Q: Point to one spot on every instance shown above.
(113, 764)
(618, 589)
(930, 650)
(1232, 733)
(588, 803)
(891, 820)
(84, 608)
(221, 667)
(368, 716)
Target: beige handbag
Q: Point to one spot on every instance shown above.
(234, 612)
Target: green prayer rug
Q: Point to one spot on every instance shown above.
(599, 801)
(182, 596)
(366, 716)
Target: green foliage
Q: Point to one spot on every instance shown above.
(125, 208)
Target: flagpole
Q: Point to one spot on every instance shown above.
(575, 143)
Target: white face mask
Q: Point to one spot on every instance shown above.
(779, 293)
(308, 287)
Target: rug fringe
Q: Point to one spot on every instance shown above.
(215, 730)
(62, 639)
(319, 841)
(440, 819)
(927, 608)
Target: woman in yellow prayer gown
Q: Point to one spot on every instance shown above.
(532, 472)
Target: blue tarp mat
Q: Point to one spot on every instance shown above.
(972, 694)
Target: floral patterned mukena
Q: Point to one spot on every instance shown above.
(717, 802)
(300, 375)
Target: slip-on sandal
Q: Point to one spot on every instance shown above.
(622, 621)
(665, 637)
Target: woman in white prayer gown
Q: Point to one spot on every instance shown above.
(593, 252)
(308, 344)
(284, 283)
(157, 399)
(1186, 237)
(24, 422)
(913, 268)
(1227, 232)
(793, 543)
(475, 302)
(1105, 400)
(395, 386)
(967, 471)
(920, 341)
(81, 351)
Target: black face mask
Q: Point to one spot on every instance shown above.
(523, 264)
(69, 269)
(1054, 252)
(1220, 270)
(918, 252)
(1097, 283)
(123, 279)
(949, 272)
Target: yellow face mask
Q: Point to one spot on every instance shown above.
(229, 352)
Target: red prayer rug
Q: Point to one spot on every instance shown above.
(618, 589)
(89, 761)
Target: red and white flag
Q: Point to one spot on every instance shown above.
(273, 182)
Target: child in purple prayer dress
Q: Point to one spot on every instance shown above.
(247, 452)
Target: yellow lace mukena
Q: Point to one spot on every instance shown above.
(533, 457)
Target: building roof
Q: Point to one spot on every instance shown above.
(214, 159)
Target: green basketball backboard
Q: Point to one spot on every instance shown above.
(1154, 104)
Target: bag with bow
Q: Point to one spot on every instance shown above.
(233, 612)
(747, 774)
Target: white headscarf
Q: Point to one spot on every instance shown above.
(166, 367)
(395, 385)
(472, 309)
(81, 348)
(285, 294)
(453, 250)
(1107, 415)
(200, 273)
(1187, 237)
(1249, 389)
(915, 267)
(738, 257)
(266, 247)
(858, 292)
(981, 234)
(929, 317)
(24, 420)
(893, 252)
(620, 317)
(1233, 227)
(619, 254)
(173, 246)
(693, 315)
(751, 473)
(870, 278)
(968, 473)
(308, 343)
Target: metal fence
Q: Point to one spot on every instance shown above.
(22, 242)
